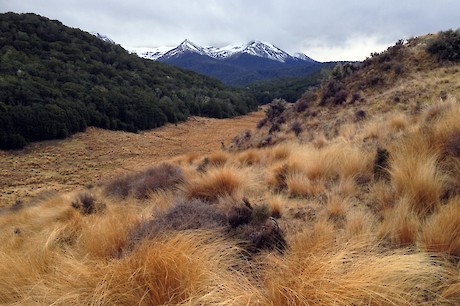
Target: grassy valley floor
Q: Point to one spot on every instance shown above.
(97, 155)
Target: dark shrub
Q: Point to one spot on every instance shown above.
(360, 115)
(296, 127)
(446, 46)
(301, 105)
(275, 109)
(356, 96)
(183, 215)
(381, 164)
(268, 140)
(262, 122)
(398, 68)
(453, 144)
(250, 224)
(87, 204)
(163, 176)
(239, 215)
(330, 89)
(341, 96)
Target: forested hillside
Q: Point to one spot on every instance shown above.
(56, 81)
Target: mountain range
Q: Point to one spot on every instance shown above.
(235, 64)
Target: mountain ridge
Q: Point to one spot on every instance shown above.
(235, 64)
(253, 47)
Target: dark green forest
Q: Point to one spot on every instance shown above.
(289, 89)
(56, 81)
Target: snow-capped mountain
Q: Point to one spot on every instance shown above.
(303, 57)
(255, 48)
(236, 64)
(151, 53)
(103, 37)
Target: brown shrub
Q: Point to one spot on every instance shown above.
(139, 185)
(87, 203)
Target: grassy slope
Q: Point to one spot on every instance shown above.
(361, 226)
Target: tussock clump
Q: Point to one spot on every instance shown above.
(87, 203)
(400, 224)
(139, 185)
(441, 232)
(217, 182)
(352, 274)
(249, 157)
(186, 267)
(415, 176)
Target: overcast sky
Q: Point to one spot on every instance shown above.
(324, 30)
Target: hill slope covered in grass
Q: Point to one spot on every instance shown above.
(359, 205)
(55, 81)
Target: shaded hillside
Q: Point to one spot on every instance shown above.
(56, 80)
(243, 69)
(289, 89)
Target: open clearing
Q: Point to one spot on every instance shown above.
(97, 155)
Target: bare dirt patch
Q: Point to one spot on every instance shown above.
(97, 155)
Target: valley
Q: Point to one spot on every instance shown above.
(348, 196)
(97, 155)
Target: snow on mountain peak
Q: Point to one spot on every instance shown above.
(103, 37)
(255, 48)
(303, 57)
(266, 50)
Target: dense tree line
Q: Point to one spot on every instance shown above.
(289, 89)
(56, 81)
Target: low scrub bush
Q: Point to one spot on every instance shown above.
(139, 185)
(87, 203)
(446, 45)
(248, 224)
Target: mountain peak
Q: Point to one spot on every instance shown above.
(254, 48)
(103, 37)
(266, 50)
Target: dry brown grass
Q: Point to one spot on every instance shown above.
(218, 182)
(400, 224)
(441, 232)
(348, 275)
(415, 175)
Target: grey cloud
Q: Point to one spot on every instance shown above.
(293, 25)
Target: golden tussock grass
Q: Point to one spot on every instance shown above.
(320, 141)
(298, 184)
(441, 231)
(415, 175)
(195, 268)
(105, 236)
(337, 207)
(345, 187)
(383, 195)
(219, 182)
(360, 223)
(217, 159)
(277, 204)
(398, 122)
(191, 268)
(351, 274)
(400, 224)
(249, 157)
